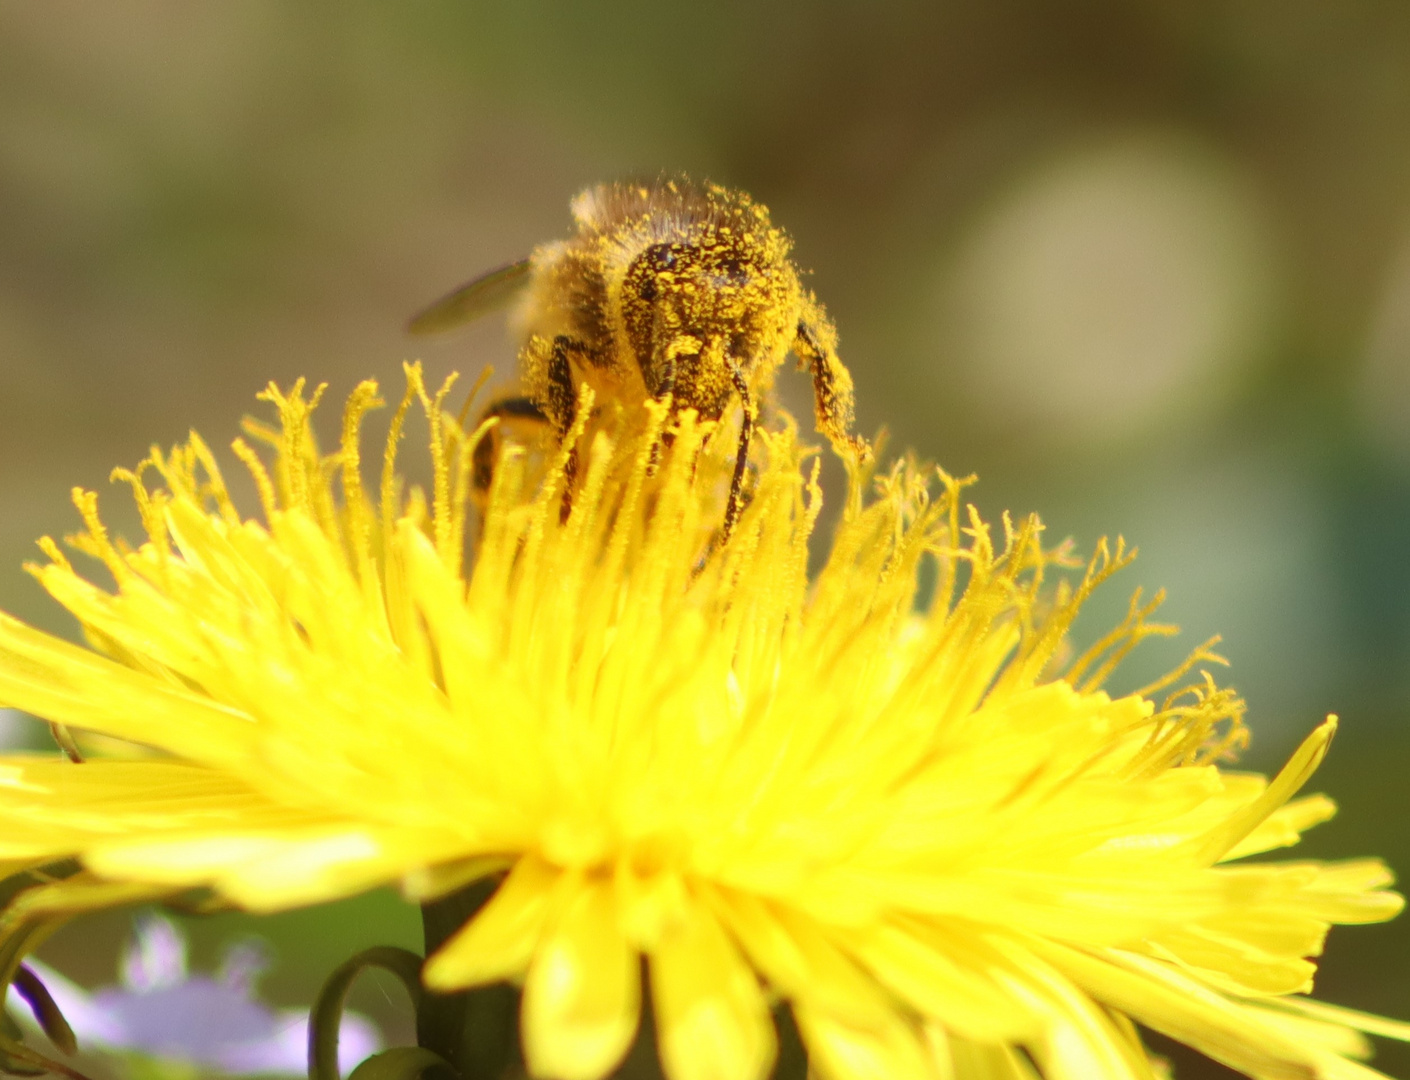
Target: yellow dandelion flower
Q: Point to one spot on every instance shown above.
(905, 814)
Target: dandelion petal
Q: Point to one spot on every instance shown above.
(499, 942)
(711, 1018)
(582, 996)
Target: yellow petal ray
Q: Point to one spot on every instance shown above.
(68, 685)
(270, 871)
(55, 808)
(1221, 841)
(711, 1019)
(582, 994)
(841, 1049)
(1079, 1041)
(799, 959)
(424, 884)
(1353, 891)
(1234, 965)
(1275, 930)
(1339, 1014)
(500, 940)
(1285, 826)
(940, 1044)
(1175, 1005)
(1335, 1038)
(955, 990)
(181, 825)
(982, 1061)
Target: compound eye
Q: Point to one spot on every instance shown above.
(657, 259)
(660, 257)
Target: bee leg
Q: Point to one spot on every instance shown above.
(746, 433)
(666, 389)
(816, 346)
(667, 385)
(562, 407)
(487, 452)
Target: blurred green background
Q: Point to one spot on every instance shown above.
(1142, 264)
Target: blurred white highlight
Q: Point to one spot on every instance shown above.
(1112, 287)
(1383, 393)
(15, 729)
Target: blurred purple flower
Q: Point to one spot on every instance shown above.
(163, 1011)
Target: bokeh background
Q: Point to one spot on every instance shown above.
(1142, 264)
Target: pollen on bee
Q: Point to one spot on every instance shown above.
(650, 267)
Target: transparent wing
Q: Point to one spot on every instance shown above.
(487, 293)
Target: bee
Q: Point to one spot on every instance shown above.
(670, 290)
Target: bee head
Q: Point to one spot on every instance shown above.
(723, 292)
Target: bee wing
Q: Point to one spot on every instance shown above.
(487, 293)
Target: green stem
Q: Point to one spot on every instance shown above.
(327, 1014)
(477, 1031)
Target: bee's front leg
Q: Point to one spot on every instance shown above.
(560, 403)
(747, 421)
(816, 346)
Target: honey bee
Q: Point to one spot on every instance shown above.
(669, 290)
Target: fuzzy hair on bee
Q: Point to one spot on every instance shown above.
(670, 290)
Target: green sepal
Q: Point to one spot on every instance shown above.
(13, 1066)
(404, 1063)
(19, 1060)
